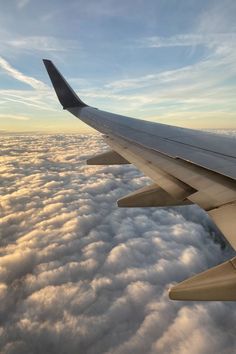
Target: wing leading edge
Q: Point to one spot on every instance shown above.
(186, 166)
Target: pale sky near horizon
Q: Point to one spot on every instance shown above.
(166, 61)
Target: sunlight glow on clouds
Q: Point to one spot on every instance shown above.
(79, 275)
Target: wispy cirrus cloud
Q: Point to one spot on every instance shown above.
(190, 39)
(22, 3)
(16, 74)
(212, 69)
(38, 100)
(179, 83)
(197, 86)
(14, 116)
(41, 43)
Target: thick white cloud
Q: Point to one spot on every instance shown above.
(79, 275)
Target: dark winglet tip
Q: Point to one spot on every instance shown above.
(65, 93)
(46, 62)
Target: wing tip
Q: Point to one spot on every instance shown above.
(65, 93)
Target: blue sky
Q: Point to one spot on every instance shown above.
(168, 61)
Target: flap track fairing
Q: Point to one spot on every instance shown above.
(150, 196)
(215, 284)
(108, 158)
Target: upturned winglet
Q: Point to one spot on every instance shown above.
(65, 93)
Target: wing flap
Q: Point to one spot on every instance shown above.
(182, 180)
(208, 189)
(225, 219)
(173, 186)
(150, 196)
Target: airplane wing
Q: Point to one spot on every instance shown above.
(187, 167)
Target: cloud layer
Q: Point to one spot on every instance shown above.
(79, 275)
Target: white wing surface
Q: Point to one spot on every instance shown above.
(187, 167)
